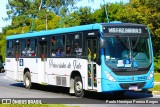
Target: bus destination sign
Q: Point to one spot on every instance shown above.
(131, 30)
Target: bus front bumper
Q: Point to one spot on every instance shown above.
(118, 86)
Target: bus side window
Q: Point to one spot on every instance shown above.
(10, 48)
(69, 45)
(68, 50)
(57, 46)
(74, 44)
(31, 47)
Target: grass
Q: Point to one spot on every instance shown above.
(155, 88)
(157, 77)
(35, 105)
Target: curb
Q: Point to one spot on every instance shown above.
(156, 83)
(155, 93)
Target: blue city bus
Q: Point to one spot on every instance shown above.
(102, 57)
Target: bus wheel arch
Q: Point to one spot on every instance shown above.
(76, 86)
(27, 78)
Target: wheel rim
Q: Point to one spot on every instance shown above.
(78, 86)
(27, 81)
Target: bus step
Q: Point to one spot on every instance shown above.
(43, 83)
(92, 90)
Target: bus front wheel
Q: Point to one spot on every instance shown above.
(78, 87)
(27, 80)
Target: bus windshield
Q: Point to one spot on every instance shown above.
(127, 51)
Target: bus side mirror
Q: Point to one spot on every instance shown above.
(102, 43)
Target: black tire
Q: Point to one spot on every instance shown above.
(78, 87)
(27, 80)
(2, 70)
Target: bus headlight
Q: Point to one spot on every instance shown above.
(150, 75)
(109, 76)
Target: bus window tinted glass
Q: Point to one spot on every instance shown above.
(57, 45)
(74, 44)
(29, 47)
(127, 52)
(10, 51)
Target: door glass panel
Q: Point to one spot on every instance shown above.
(92, 58)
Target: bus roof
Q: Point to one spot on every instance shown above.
(70, 29)
(56, 31)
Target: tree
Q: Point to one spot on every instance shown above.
(22, 11)
(85, 15)
(2, 47)
(99, 15)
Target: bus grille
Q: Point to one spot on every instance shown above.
(129, 73)
(61, 81)
(127, 85)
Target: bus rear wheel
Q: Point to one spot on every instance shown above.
(78, 87)
(27, 80)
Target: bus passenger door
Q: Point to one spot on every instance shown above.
(92, 70)
(43, 54)
(17, 54)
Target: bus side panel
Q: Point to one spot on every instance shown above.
(59, 70)
(11, 68)
(32, 65)
(42, 73)
(99, 87)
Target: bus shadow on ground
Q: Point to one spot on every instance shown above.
(117, 95)
(88, 94)
(47, 88)
(20, 84)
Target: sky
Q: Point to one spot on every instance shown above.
(3, 14)
(94, 5)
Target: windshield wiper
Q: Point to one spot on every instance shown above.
(123, 43)
(135, 45)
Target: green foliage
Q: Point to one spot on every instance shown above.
(116, 12)
(155, 88)
(85, 15)
(99, 15)
(157, 64)
(82, 16)
(2, 46)
(22, 11)
(157, 77)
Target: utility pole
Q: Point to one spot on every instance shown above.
(47, 10)
(106, 11)
(32, 16)
(46, 22)
(47, 19)
(32, 23)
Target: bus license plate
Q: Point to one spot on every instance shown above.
(133, 88)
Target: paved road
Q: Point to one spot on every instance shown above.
(12, 89)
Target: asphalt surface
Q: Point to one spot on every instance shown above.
(10, 89)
